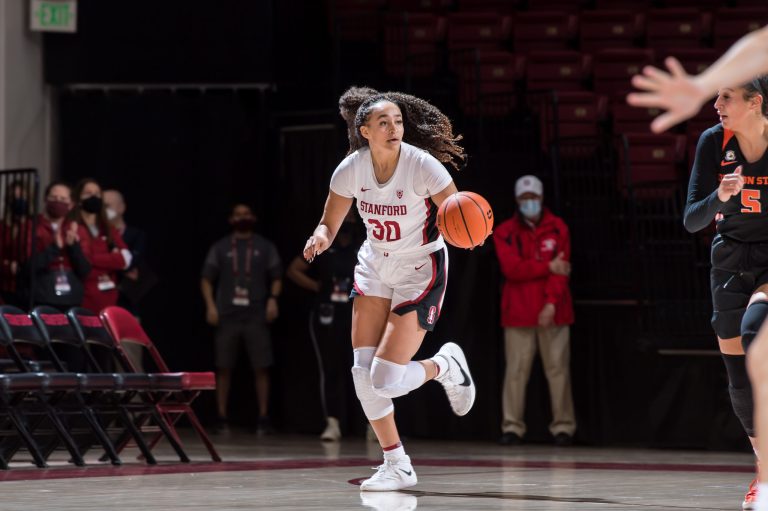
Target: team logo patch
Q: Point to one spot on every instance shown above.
(399, 194)
(548, 245)
(730, 155)
(431, 315)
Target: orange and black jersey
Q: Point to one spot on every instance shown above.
(743, 217)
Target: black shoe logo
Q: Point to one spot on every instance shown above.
(406, 472)
(466, 382)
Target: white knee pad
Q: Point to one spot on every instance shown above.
(374, 406)
(394, 380)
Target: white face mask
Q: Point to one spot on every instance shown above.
(530, 208)
(111, 214)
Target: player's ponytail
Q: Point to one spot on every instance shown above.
(424, 126)
(758, 86)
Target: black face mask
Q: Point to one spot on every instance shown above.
(244, 224)
(92, 204)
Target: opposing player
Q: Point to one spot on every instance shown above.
(740, 250)
(394, 171)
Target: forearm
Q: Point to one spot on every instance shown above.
(746, 59)
(276, 288)
(207, 290)
(698, 215)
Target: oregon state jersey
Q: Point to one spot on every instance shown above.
(399, 216)
(744, 216)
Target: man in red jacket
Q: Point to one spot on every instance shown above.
(534, 250)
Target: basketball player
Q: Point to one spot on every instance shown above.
(394, 171)
(740, 249)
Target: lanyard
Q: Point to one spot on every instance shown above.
(248, 252)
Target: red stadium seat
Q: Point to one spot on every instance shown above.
(411, 43)
(557, 70)
(667, 30)
(355, 20)
(544, 30)
(629, 119)
(483, 31)
(652, 160)
(694, 60)
(502, 7)
(573, 116)
(429, 6)
(731, 24)
(613, 69)
(601, 29)
(630, 5)
(488, 83)
(184, 387)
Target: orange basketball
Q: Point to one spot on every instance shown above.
(465, 219)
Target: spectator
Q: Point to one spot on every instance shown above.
(331, 279)
(534, 250)
(59, 263)
(15, 239)
(136, 281)
(102, 245)
(240, 266)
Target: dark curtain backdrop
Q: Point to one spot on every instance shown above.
(183, 158)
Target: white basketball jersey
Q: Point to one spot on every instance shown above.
(399, 216)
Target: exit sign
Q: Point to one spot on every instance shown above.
(53, 15)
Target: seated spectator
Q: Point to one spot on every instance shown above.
(15, 240)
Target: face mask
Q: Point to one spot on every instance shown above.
(19, 207)
(92, 204)
(56, 209)
(111, 214)
(244, 224)
(530, 208)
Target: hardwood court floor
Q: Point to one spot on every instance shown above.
(288, 473)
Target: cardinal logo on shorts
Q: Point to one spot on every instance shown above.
(431, 315)
(399, 194)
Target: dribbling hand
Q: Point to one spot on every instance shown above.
(316, 245)
(730, 185)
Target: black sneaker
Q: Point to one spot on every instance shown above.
(510, 439)
(563, 440)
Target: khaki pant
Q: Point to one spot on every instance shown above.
(520, 347)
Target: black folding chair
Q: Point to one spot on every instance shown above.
(66, 391)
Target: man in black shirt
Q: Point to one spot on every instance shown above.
(245, 270)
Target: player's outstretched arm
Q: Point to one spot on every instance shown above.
(336, 208)
(682, 95)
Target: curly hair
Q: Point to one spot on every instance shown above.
(424, 125)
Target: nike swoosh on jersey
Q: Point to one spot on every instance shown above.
(420, 267)
(724, 163)
(364, 189)
(466, 382)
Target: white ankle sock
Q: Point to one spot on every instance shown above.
(441, 363)
(395, 453)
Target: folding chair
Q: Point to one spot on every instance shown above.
(60, 395)
(118, 403)
(184, 387)
(145, 389)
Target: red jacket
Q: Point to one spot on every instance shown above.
(524, 253)
(105, 263)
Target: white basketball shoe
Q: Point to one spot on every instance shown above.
(389, 501)
(457, 381)
(393, 474)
